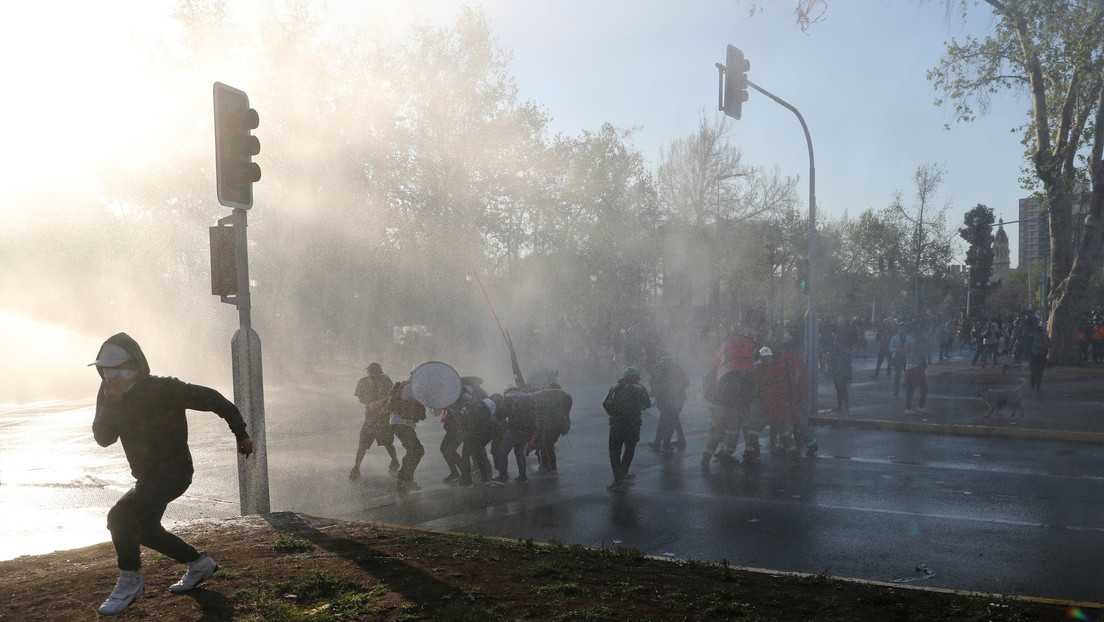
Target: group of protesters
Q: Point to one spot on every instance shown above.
(750, 389)
(515, 422)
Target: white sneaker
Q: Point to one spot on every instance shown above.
(198, 571)
(128, 588)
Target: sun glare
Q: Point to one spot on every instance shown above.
(74, 67)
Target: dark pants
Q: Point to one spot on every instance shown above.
(668, 424)
(883, 355)
(476, 438)
(546, 446)
(450, 445)
(413, 450)
(1038, 364)
(496, 448)
(843, 399)
(135, 521)
(897, 364)
(992, 350)
(623, 437)
(513, 441)
(916, 378)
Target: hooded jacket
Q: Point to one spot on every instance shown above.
(150, 420)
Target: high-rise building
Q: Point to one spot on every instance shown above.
(1035, 230)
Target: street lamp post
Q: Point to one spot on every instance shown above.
(811, 323)
(733, 84)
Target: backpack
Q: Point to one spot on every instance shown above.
(406, 409)
(620, 401)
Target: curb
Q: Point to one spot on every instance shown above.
(965, 430)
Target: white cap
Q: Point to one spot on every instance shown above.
(111, 355)
(490, 404)
(765, 351)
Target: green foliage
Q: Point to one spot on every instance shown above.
(557, 569)
(1095, 293)
(316, 595)
(596, 614)
(1053, 53)
(558, 588)
(290, 543)
(978, 233)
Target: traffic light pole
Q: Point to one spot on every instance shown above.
(235, 174)
(245, 351)
(811, 323)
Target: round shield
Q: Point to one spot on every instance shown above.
(435, 384)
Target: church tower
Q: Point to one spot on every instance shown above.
(1002, 261)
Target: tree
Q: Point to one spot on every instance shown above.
(873, 250)
(1054, 52)
(978, 233)
(706, 193)
(928, 244)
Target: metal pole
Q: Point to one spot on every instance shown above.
(969, 286)
(811, 324)
(245, 350)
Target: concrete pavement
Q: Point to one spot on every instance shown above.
(1069, 407)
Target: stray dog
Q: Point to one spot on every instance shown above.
(996, 399)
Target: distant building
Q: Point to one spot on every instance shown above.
(1002, 259)
(1034, 233)
(1035, 230)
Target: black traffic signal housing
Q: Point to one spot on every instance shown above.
(235, 171)
(736, 81)
(224, 267)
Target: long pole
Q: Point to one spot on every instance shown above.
(811, 323)
(245, 350)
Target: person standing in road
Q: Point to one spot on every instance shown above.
(897, 349)
(918, 357)
(404, 416)
(624, 404)
(992, 337)
(372, 392)
(478, 428)
(977, 337)
(839, 369)
(799, 391)
(519, 411)
(146, 414)
(669, 383)
(1038, 355)
(882, 337)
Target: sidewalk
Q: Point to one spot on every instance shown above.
(1070, 406)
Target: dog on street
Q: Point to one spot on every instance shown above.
(996, 399)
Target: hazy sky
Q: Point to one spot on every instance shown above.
(858, 78)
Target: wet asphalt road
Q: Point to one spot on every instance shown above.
(1012, 516)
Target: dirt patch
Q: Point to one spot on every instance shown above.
(294, 567)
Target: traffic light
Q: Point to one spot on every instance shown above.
(235, 147)
(736, 81)
(224, 267)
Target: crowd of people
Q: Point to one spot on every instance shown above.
(530, 419)
(757, 383)
(516, 422)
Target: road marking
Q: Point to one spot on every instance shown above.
(966, 468)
